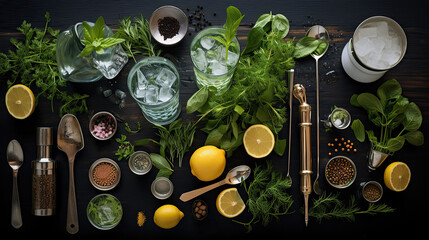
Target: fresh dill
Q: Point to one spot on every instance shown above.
(267, 196)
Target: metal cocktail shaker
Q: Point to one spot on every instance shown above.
(305, 148)
(44, 177)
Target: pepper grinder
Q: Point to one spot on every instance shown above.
(44, 177)
(304, 111)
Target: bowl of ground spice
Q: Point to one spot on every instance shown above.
(104, 174)
(340, 172)
(168, 25)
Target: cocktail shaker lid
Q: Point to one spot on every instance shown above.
(44, 136)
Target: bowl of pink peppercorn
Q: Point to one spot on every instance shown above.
(103, 125)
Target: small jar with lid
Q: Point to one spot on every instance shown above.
(140, 162)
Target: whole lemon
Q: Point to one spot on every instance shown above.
(207, 163)
(167, 216)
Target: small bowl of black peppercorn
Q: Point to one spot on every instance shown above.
(168, 25)
(340, 172)
(199, 209)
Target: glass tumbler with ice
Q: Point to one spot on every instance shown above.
(154, 83)
(213, 66)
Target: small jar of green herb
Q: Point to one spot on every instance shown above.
(104, 211)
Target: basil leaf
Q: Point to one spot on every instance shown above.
(160, 162)
(372, 138)
(358, 130)
(280, 24)
(88, 32)
(110, 42)
(87, 51)
(197, 100)
(254, 39)
(280, 146)
(263, 20)
(353, 100)
(215, 136)
(305, 46)
(415, 138)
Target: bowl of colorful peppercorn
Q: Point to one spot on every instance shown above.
(340, 172)
(168, 25)
(103, 125)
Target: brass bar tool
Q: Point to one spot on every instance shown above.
(304, 112)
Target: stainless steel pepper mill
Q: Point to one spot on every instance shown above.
(44, 177)
(304, 111)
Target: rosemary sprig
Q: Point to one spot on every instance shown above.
(138, 39)
(329, 206)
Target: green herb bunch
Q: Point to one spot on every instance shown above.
(125, 148)
(258, 93)
(174, 142)
(33, 63)
(329, 206)
(267, 196)
(389, 110)
(138, 39)
(95, 40)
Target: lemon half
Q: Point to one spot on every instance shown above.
(20, 101)
(229, 203)
(258, 140)
(397, 176)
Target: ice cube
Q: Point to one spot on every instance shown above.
(382, 29)
(199, 58)
(142, 82)
(378, 44)
(207, 42)
(363, 46)
(218, 68)
(151, 96)
(232, 58)
(211, 56)
(140, 93)
(165, 78)
(164, 94)
(367, 31)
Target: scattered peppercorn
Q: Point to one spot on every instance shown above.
(105, 174)
(339, 171)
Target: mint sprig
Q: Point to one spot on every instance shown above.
(94, 38)
(233, 20)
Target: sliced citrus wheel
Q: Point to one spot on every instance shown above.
(258, 140)
(229, 203)
(397, 176)
(20, 101)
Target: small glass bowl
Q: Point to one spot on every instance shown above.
(199, 209)
(92, 206)
(94, 182)
(162, 188)
(96, 118)
(328, 173)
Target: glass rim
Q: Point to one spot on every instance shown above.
(144, 61)
(198, 37)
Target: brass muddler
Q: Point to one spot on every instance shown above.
(304, 111)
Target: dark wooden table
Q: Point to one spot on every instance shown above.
(340, 17)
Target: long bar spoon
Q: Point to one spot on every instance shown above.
(318, 32)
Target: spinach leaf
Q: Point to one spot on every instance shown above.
(390, 89)
(280, 25)
(395, 144)
(413, 117)
(353, 100)
(358, 130)
(415, 138)
(370, 102)
(254, 39)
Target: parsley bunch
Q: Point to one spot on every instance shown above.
(33, 63)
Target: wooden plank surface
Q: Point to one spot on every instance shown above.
(340, 18)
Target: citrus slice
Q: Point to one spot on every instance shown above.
(20, 101)
(397, 176)
(258, 140)
(229, 203)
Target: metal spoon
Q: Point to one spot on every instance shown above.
(291, 76)
(234, 176)
(318, 32)
(70, 141)
(15, 157)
